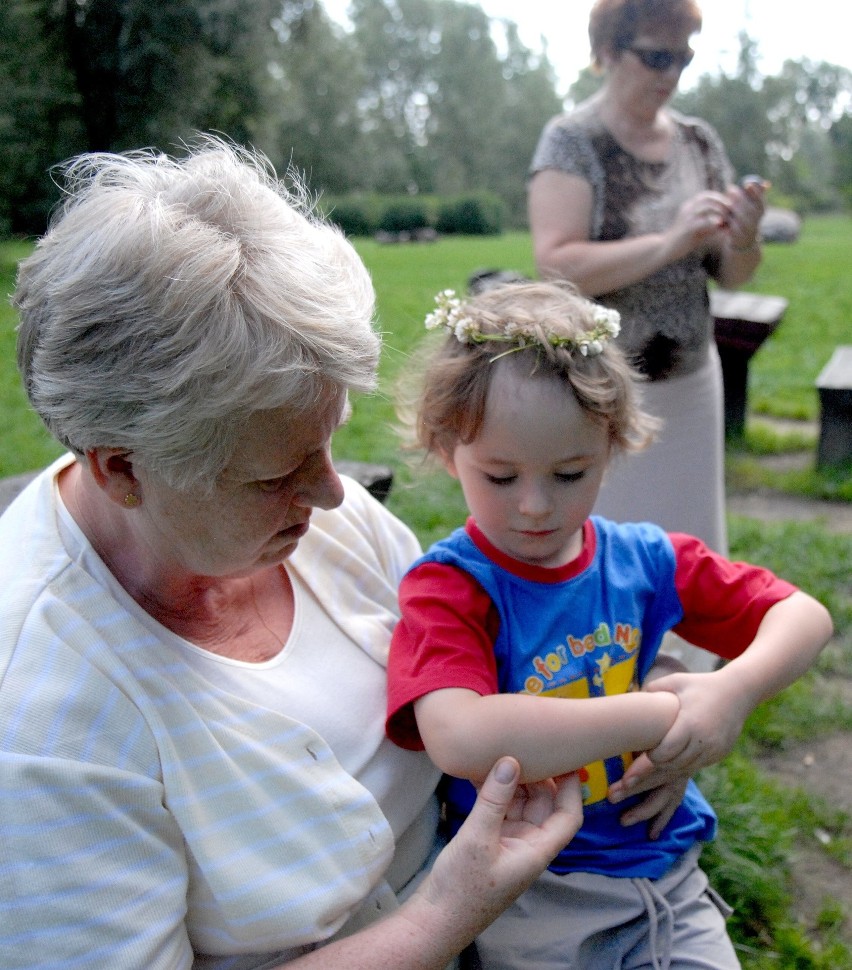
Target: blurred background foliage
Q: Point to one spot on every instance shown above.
(419, 97)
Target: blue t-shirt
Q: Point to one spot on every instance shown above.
(595, 634)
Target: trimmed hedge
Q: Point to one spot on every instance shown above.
(406, 215)
(471, 214)
(351, 216)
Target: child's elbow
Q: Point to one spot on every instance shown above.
(812, 619)
(825, 623)
(451, 731)
(453, 756)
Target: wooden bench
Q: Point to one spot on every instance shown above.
(834, 386)
(742, 322)
(377, 479)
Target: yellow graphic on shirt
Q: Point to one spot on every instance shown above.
(560, 662)
(612, 675)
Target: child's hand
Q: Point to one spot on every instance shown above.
(710, 720)
(714, 706)
(665, 792)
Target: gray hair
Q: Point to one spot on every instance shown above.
(172, 298)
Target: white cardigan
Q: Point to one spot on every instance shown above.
(149, 817)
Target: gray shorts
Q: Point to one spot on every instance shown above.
(583, 921)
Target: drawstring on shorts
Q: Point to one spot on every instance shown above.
(660, 922)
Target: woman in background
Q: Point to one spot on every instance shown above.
(634, 203)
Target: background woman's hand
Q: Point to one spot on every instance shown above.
(698, 220)
(747, 205)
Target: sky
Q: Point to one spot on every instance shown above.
(812, 30)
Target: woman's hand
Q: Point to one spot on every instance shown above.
(740, 239)
(512, 833)
(699, 219)
(746, 210)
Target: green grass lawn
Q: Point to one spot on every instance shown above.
(813, 275)
(758, 822)
(24, 443)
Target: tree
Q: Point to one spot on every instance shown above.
(451, 111)
(39, 124)
(399, 40)
(239, 43)
(840, 134)
(738, 113)
(587, 83)
(465, 98)
(136, 67)
(530, 101)
(108, 75)
(777, 126)
(319, 77)
(804, 101)
(420, 96)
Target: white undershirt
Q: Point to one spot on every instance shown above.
(319, 679)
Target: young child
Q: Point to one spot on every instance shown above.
(526, 402)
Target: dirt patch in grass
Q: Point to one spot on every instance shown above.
(822, 768)
(777, 507)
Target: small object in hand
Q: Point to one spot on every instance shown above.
(758, 180)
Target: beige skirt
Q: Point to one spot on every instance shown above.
(679, 482)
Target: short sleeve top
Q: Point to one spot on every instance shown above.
(666, 317)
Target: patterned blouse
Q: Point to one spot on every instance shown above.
(665, 317)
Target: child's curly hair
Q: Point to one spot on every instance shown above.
(448, 407)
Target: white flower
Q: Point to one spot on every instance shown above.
(449, 313)
(465, 330)
(609, 320)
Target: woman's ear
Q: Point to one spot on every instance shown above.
(112, 470)
(605, 58)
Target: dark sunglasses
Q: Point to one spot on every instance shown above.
(663, 60)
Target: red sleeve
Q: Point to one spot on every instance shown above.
(444, 639)
(723, 602)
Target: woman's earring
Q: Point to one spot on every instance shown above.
(131, 500)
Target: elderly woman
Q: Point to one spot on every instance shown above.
(635, 204)
(196, 608)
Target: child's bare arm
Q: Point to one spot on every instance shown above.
(714, 706)
(465, 732)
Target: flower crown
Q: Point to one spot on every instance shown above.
(449, 313)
